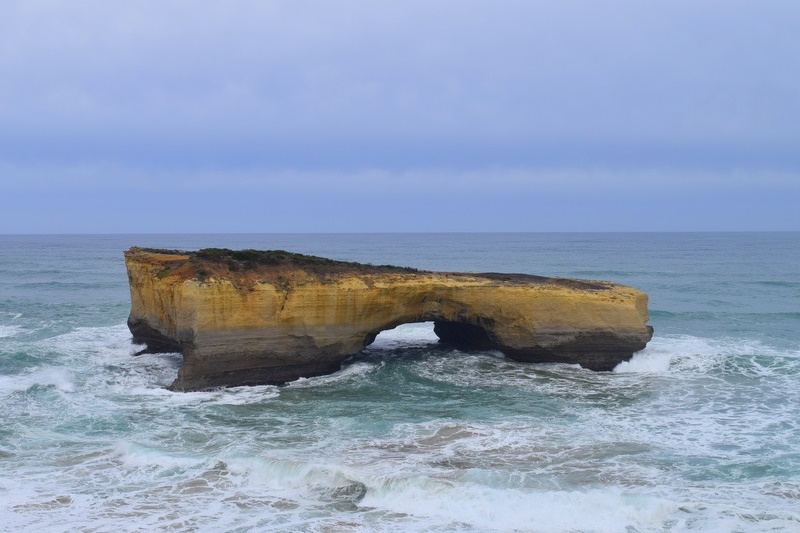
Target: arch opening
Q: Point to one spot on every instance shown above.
(405, 335)
(464, 335)
(461, 335)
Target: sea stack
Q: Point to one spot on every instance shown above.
(268, 317)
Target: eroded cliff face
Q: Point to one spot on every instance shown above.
(254, 319)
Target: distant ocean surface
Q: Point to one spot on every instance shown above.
(698, 432)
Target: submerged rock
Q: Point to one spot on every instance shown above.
(267, 317)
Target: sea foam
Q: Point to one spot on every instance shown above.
(58, 377)
(10, 331)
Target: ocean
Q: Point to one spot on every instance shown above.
(698, 432)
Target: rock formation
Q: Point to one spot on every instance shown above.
(250, 317)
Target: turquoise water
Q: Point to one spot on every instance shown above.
(699, 432)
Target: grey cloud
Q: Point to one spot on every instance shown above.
(110, 178)
(331, 115)
(466, 71)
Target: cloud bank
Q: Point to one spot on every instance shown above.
(426, 100)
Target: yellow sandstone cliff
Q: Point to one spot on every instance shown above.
(249, 317)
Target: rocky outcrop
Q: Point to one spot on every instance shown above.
(250, 317)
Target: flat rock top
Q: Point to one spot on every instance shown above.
(269, 265)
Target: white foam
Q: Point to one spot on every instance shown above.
(607, 510)
(109, 350)
(58, 377)
(175, 462)
(229, 396)
(92, 340)
(471, 369)
(662, 353)
(443, 503)
(61, 378)
(648, 360)
(136, 456)
(10, 331)
(292, 474)
(353, 371)
(687, 352)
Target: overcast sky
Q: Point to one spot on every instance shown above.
(429, 115)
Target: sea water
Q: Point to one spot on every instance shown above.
(698, 432)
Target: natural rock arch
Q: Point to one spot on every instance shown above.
(271, 318)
